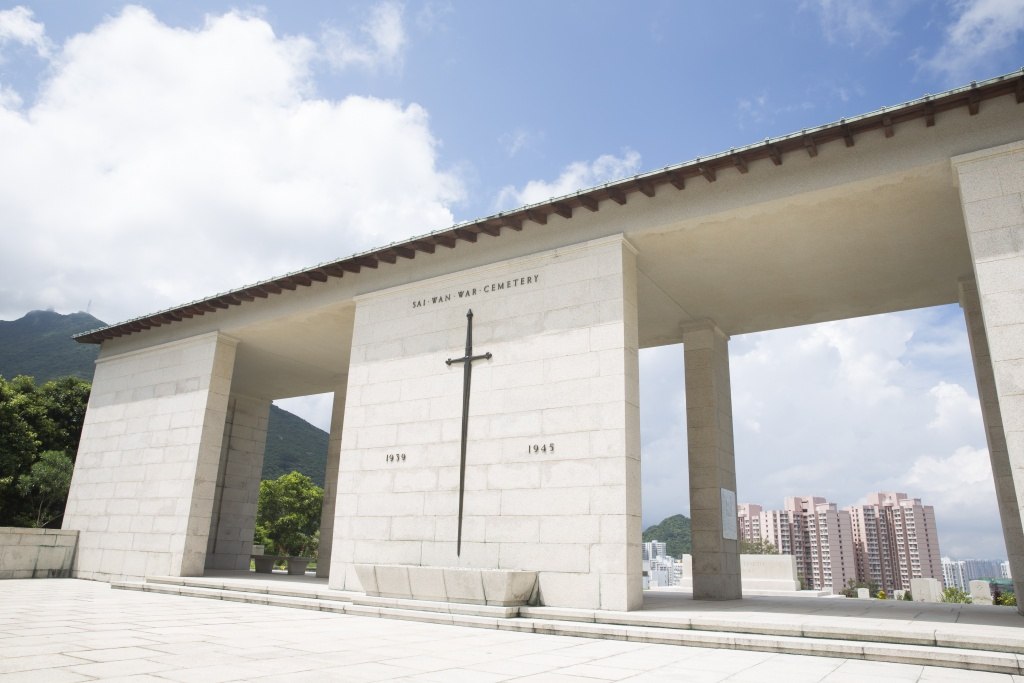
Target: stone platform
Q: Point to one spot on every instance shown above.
(498, 587)
(971, 637)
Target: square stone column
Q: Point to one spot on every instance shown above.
(992, 196)
(145, 480)
(238, 487)
(323, 563)
(716, 558)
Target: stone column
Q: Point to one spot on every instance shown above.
(1006, 488)
(142, 495)
(323, 563)
(238, 489)
(992, 196)
(716, 559)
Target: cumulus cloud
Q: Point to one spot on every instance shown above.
(982, 31)
(953, 407)
(18, 26)
(157, 165)
(961, 489)
(380, 42)
(575, 176)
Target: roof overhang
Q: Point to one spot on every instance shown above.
(733, 164)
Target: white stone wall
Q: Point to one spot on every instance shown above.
(238, 488)
(563, 378)
(145, 476)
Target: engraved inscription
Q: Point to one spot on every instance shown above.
(470, 292)
(394, 457)
(541, 448)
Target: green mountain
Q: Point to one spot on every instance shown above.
(294, 444)
(40, 344)
(674, 531)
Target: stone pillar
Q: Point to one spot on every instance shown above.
(716, 559)
(1005, 483)
(145, 478)
(323, 563)
(992, 197)
(238, 488)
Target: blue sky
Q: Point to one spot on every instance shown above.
(287, 134)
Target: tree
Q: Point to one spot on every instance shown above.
(33, 421)
(954, 594)
(759, 547)
(288, 515)
(46, 485)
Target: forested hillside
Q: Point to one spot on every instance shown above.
(39, 344)
(674, 531)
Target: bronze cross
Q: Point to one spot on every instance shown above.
(467, 374)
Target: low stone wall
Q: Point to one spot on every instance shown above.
(36, 553)
(498, 587)
(769, 573)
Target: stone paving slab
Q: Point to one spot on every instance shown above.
(111, 635)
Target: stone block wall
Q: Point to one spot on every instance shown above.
(145, 477)
(36, 553)
(553, 461)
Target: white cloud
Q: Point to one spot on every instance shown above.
(381, 44)
(575, 176)
(515, 141)
(953, 405)
(865, 23)
(982, 31)
(961, 489)
(158, 165)
(18, 26)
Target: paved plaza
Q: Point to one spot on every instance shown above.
(71, 630)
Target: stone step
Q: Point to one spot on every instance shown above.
(642, 628)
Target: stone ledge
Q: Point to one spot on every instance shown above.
(497, 587)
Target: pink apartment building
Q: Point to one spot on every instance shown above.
(889, 541)
(895, 540)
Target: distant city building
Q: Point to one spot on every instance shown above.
(960, 573)
(659, 569)
(665, 571)
(655, 548)
(953, 574)
(813, 531)
(895, 540)
(1004, 569)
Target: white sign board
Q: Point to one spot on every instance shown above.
(729, 527)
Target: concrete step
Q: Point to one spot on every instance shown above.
(631, 626)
